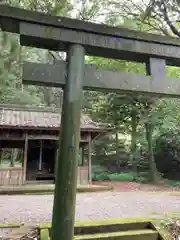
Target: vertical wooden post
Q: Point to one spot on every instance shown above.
(89, 159)
(0, 154)
(67, 162)
(40, 156)
(82, 155)
(25, 157)
(55, 158)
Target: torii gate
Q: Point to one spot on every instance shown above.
(78, 38)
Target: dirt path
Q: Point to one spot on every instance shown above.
(104, 205)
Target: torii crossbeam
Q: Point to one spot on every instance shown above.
(54, 75)
(56, 33)
(77, 39)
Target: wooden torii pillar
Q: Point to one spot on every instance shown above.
(78, 38)
(89, 159)
(0, 154)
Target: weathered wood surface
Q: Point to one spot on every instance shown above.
(157, 68)
(14, 176)
(25, 157)
(101, 80)
(89, 159)
(82, 176)
(45, 31)
(8, 12)
(11, 176)
(39, 137)
(52, 75)
(67, 160)
(96, 45)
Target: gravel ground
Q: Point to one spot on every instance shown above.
(104, 205)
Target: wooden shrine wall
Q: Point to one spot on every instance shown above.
(82, 178)
(11, 176)
(14, 176)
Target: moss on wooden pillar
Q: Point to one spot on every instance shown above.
(67, 161)
(89, 159)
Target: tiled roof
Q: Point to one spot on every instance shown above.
(38, 118)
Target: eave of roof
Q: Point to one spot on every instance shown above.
(26, 117)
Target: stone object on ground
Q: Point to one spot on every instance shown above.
(23, 233)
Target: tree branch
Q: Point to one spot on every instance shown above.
(169, 22)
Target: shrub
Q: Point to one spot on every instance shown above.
(99, 173)
(102, 177)
(167, 155)
(172, 183)
(121, 177)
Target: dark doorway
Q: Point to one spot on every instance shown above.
(41, 160)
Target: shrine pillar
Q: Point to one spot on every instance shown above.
(67, 160)
(89, 159)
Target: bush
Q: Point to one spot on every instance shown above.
(102, 177)
(167, 155)
(172, 183)
(99, 173)
(121, 177)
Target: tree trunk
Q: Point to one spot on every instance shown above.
(153, 174)
(133, 140)
(117, 145)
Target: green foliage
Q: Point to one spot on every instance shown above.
(121, 177)
(172, 183)
(167, 154)
(101, 177)
(127, 115)
(99, 173)
(102, 174)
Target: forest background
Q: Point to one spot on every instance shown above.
(144, 143)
